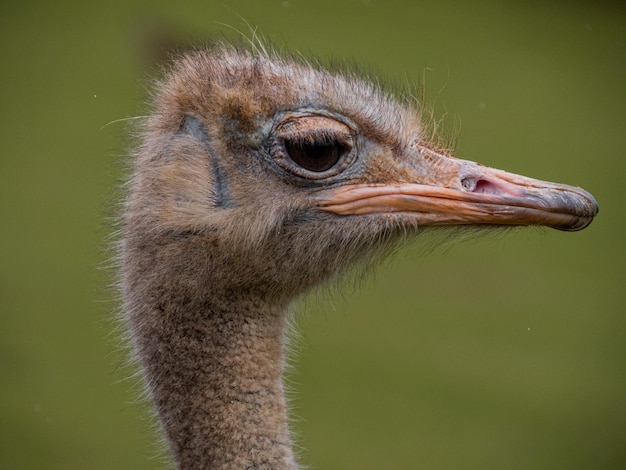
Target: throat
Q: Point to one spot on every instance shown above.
(215, 376)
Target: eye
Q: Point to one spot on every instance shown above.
(315, 155)
(313, 146)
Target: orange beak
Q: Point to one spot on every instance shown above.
(453, 191)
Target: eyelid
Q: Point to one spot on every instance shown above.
(321, 137)
(313, 125)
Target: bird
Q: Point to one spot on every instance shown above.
(256, 178)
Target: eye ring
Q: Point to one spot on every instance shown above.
(313, 146)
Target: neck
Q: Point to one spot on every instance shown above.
(215, 375)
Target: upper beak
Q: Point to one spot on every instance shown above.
(454, 191)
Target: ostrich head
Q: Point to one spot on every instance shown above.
(287, 173)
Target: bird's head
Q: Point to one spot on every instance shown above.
(287, 173)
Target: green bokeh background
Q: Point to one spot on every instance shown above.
(505, 353)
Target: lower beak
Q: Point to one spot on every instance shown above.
(471, 194)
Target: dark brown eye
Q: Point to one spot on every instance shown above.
(313, 155)
(313, 146)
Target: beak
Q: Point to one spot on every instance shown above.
(460, 192)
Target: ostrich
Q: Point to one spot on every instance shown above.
(257, 179)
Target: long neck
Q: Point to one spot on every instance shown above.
(214, 370)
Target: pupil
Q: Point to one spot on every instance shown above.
(315, 151)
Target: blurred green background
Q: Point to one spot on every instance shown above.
(506, 352)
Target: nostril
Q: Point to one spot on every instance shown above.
(482, 186)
